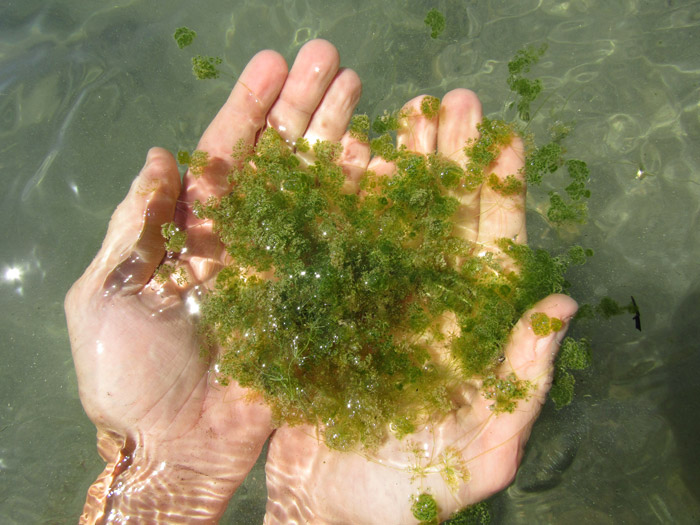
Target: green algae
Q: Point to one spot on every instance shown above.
(567, 207)
(175, 240)
(387, 122)
(477, 514)
(183, 157)
(544, 325)
(197, 161)
(174, 237)
(171, 271)
(435, 20)
(505, 392)
(206, 67)
(184, 36)
(362, 315)
(425, 509)
(337, 305)
(527, 89)
(482, 152)
(359, 127)
(430, 107)
(203, 67)
(573, 355)
(606, 308)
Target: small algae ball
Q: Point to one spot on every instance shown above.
(544, 325)
(359, 127)
(562, 392)
(388, 121)
(527, 89)
(205, 67)
(510, 186)
(482, 152)
(430, 106)
(435, 20)
(425, 508)
(197, 162)
(575, 354)
(174, 237)
(505, 392)
(183, 157)
(184, 36)
(302, 145)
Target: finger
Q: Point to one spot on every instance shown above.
(240, 119)
(134, 246)
(315, 67)
(380, 166)
(416, 131)
(460, 112)
(331, 119)
(530, 357)
(354, 160)
(502, 436)
(501, 214)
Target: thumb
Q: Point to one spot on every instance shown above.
(134, 246)
(529, 357)
(532, 348)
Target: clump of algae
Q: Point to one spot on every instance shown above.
(361, 314)
(425, 509)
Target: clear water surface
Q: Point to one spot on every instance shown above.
(87, 87)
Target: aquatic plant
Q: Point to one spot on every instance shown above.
(573, 355)
(184, 36)
(527, 89)
(174, 237)
(196, 161)
(360, 315)
(435, 20)
(425, 509)
(541, 161)
(359, 127)
(337, 304)
(205, 67)
(430, 106)
(477, 514)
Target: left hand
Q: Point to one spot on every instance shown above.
(472, 452)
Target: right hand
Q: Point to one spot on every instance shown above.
(177, 443)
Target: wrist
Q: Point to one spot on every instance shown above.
(145, 483)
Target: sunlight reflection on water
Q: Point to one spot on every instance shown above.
(85, 90)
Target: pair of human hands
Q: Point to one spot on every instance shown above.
(176, 442)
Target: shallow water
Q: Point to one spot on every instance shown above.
(87, 87)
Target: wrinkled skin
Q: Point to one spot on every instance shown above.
(178, 444)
